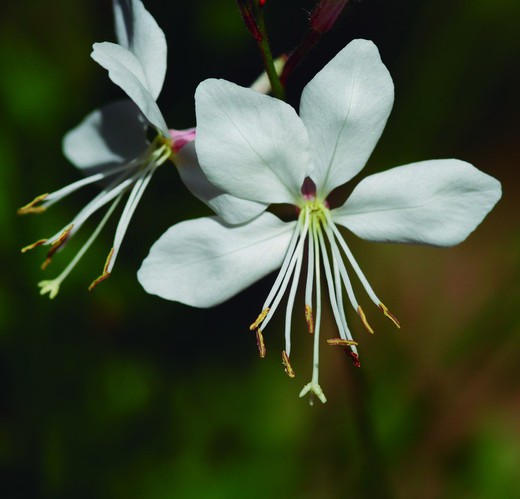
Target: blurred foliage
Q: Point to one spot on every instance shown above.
(119, 394)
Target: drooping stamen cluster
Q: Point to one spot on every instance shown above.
(133, 176)
(316, 235)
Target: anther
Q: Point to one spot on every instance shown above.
(389, 315)
(309, 318)
(259, 319)
(105, 274)
(287, 365)
(31, 207)
(354, 357)
(364, 320)
(340, 342)
(34, 245)
(56, 245)
(260, 343)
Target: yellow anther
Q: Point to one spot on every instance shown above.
(31, 207)
(309, 318)
(287, 365)
(105, 274)
(364, 320)
(389, 315)
(340, 342)
(34, 245)
(260, 343)
(259, 319)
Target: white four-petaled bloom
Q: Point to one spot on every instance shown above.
(257, 148)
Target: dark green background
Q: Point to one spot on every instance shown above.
(116, 393)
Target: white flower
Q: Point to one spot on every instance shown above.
(257, 148)
(110, 145)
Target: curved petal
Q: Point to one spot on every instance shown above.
(345, 108)
(109, 136)
(203, 262)
(232, 209)
(125, 70)
(137, 31)
(250, 145)
(437, 202)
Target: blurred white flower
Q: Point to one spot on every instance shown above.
(111, 147)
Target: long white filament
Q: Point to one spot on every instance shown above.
(316, 232)
(58, 195)
(353, 262)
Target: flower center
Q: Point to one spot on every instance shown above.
(316, 236)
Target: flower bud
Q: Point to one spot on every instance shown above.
(326, 14)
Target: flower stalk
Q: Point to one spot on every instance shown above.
(253, 16)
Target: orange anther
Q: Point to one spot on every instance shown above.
(105, 274)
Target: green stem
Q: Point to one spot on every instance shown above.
(374, 476)
(267, 57)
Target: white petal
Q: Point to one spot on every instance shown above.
(250, 145)
(232, 209)
(437, 202)
(125, 70)
(345, 108)
(138, 32)
(203, 262)
(109, 136)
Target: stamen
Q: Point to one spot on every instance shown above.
(56, 245)
(355, 358)
(309, 318)
(293, 259)
(342, 269)
(309, 284)
(31, 207)
(389, 315)
(117, 187)
(259, 319)
(364, 320)
(331, 285)
(260, 343)
(105, 274)
(290, 300)
(340, 342)
(287, 365)
(128, 211)
(33, 245)
(339, 299)
(52, 287)
(60, 194)
(354, 264)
